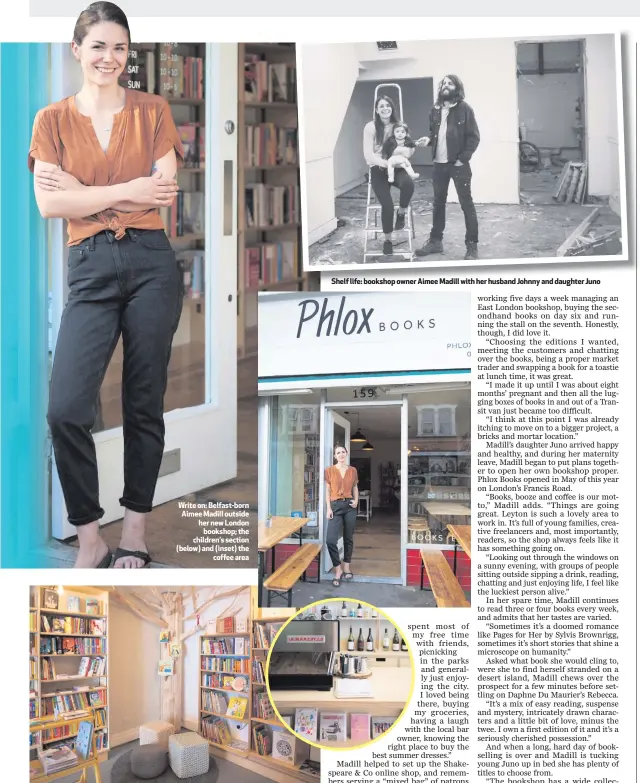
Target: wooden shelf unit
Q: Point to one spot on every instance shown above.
(42, 690)
(283, 114)
(185, 110)
(246, 719)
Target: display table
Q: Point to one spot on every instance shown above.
(391, 690)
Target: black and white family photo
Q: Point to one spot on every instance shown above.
(438, 152)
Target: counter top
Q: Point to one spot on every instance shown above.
(391, 689)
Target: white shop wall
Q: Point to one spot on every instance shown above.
(134, 652)
(134, 684)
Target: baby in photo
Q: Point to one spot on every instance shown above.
(399, 138)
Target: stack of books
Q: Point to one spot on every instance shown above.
(270, 262)
(271, 205)
(57, 759)
(268, 82)
(269, 145)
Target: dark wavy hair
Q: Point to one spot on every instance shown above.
(459, 94)
(378, 122)
(99, 12)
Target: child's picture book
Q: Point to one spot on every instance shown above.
(283, 746)
(237, 707)
(306, 723)
(57, 624)
(50, 599)
(360, 726)
(333, 727)
(165, 637)
(83, 739)
(73, 603)
(165, 667)
(381, 724)
(97, 627)
(92, 606)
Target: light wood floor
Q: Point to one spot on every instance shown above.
(376, 549)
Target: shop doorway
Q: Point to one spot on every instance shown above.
(201, 397)
(373, 433)
(552, 120)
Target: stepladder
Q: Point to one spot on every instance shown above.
(373, 215)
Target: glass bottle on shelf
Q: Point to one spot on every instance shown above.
(396, 642)
(360, 612)
(344, 612)
(351, 645)
(370, 641)
(403, 645)
(374, 613)
(352, 612)
(360, 641)
(385, 640)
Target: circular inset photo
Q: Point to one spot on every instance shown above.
(339, 673)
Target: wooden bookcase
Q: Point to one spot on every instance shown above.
(284, 114)
(249, 721)
(207, 692)
(44, 694)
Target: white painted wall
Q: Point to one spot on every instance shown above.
(134, 685)
(349, 165)
(330, 71)
(602, 114)
(546, 106)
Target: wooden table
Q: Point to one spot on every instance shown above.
(268, 537)
(446, 509)
(462, 535)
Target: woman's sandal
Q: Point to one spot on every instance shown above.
(336, 581)
(347, 576)
(144, 556)
(106, 560)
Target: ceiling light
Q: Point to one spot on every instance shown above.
(367, 447)
(358, 437)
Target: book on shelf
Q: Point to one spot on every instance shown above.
(237, 707)
(262, 740)
(92, 667)
(381, 724)
(226, 665)
(192, 137)
(73, 603)
(83, 739)
(66, 703)
(71, 645)
(306, 723)
(266, 82)
(93, 606)
(311, 768)
(57, 759)
(213, 701)
(262, 707)
(270, 262)
(267, 144)
(360, 726)
(179, 76)
(185, 216)
(283, 745)
(333, 727)
(271, 205)
(258, 672)
(215, 729)
(233, 646)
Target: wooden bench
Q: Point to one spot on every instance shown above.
(442, 581)
(282, 580)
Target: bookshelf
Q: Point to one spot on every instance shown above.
(269, 218)
(266, 726)
(225, 681)
(242, 734)
(68, 653)
(176, 71)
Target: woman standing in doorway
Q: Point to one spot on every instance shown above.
(341, 482)
(376, 133)
(105, 159)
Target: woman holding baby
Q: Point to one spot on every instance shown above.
(387, 148)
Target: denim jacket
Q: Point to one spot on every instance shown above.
(463, 135)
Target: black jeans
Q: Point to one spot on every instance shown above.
(382, 188)
(130, 287)
(342, 526)
(461, 176)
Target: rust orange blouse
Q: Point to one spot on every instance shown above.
(339, 486)
(142, 133)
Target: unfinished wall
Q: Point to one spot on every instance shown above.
(329, 73)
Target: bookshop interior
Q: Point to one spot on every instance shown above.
(170, 683)
(235, 108)
(414, 487)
